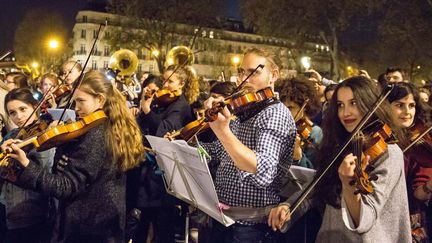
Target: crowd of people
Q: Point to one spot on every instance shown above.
(104, 184)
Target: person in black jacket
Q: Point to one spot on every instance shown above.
(156, 119)
(89, 179)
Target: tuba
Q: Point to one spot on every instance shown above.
(179, 55)
(124, 63)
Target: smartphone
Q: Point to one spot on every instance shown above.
(307, 74)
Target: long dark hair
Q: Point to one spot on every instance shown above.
(21, 94)
(423, 111)
(334, 134)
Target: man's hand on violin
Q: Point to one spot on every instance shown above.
(278, 216)
(223, 117)
(16, 153)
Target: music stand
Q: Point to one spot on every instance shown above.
(187, 176)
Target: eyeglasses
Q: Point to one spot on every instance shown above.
(243, 73)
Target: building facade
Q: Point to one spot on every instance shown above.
(216, 50)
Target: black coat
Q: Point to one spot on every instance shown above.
(145, 185)
(90, 189)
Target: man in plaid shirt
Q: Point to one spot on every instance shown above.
(254, 151)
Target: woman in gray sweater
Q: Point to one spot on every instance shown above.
(380, 216)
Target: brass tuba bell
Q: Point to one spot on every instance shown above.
(124, 62)
(179, 55)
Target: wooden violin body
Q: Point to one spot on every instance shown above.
(370, 142)
(421, 135)
(304, 129)
(162, 97)
(55, 136)
(234, 105)
(57, 94)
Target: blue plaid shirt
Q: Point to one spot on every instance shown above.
(271, 135)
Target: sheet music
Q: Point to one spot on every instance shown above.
(187, 176)
(56, 113)
(297, 179)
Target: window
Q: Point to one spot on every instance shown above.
(83, 34)
(84, 18)
(106, 51)
(95, 33)
(139, 67)
(82, 49)
(105, 64)
(94, 65)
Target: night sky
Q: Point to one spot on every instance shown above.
(12, 11)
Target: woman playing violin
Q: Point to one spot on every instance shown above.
(178, 113)
(88, 176)
(158, 117)
(295, 93)
(48, 82)
(27, 211)
(381, 215)
(408, 113)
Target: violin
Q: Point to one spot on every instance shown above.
(190, 130)
(162, 97)
(421, 135)
(234, 104)
(55, 136)
(303, 124)
(372, 142)
(37, 127)
(63, 89)
(304, 128)
(240, 103)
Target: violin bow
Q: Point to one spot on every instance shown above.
(44, 98)
(236, 90)
(81, 76)
(417, 139)
(359, 126)
(301, 109)
(184, 63)
(5, 54)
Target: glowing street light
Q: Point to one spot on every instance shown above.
(155, 53)
(35, 64)
(306, 62)
(53, 44)
(235, 60)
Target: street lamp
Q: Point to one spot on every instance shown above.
(53, 44)
(35, 64)
(306, 62)
(235, 60)
(155, 53)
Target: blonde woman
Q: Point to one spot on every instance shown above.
(88, 175)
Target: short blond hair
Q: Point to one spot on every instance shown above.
(268, 54)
